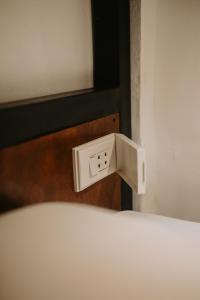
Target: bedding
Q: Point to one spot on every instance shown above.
(65, 251)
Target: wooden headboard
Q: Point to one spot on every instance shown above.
(40, 170)
(36, 167)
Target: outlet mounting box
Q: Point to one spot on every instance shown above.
(112, 153)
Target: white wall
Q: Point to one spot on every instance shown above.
(170, 107)
(46, 47)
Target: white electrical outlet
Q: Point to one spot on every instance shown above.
(94, 161)
(100, 161)
(112, 153)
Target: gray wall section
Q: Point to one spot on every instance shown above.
(168, 122)
(46, 48)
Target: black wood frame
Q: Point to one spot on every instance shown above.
(25, 120)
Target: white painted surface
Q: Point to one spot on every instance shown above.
(170, 107)
(46, 47)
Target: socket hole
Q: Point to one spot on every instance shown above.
(98, 156)
(106, 162)
(99, 165)
(105, 154)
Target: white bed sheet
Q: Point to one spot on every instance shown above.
(65, 251)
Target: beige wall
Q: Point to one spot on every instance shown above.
(46, 47)
(170, 107)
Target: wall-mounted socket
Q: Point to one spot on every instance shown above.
(100, 161)
(112, 153)
(93, 161)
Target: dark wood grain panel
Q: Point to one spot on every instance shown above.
(41, 170)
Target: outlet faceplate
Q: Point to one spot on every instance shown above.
(93, 161)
